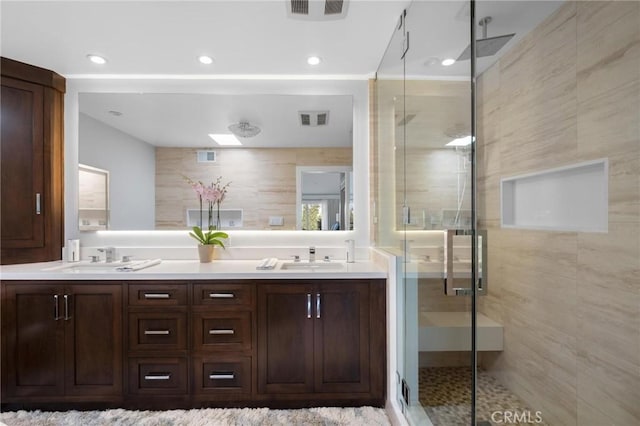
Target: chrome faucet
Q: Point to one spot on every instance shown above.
(110, 253)
(312, 254)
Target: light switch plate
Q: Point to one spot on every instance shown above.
(276, 220)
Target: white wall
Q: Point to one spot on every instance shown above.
(277, 85)
(131, 198)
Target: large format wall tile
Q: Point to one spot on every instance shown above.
(570, 302)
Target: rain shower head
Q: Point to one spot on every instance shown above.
(486, 46)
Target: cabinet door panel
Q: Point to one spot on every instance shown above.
(285, 343)
(33, 341)
(22, 164)
(342, 337)
(93, 336)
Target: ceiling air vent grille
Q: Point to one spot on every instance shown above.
(314, 118)
(333, 7)
(317, 10)
(300, 7)
(322, 119)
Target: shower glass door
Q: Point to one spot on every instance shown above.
(423, 213)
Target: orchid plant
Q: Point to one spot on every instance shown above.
(213, 195)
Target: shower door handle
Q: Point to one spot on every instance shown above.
(450, 288)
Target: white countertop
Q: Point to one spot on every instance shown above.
(188, 270)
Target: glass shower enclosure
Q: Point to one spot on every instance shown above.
(424, 212)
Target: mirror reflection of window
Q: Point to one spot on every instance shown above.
(325, 198)
(312, 216)
(93, 212)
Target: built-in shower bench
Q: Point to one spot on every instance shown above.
(451, 331)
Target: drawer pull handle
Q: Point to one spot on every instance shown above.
(222, 332)
(223, 376)
(156, 332)
(158, 377)
(221, 295)
(157, 295)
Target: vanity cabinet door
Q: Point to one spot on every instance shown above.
(32, 341)
(285, 338)
(341, 337)
(93, 339)
(60, 341)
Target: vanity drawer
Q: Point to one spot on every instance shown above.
(157, 331)
(222, 331)
(223, 295)
(158, 376)
(231, 375)
(152, 294)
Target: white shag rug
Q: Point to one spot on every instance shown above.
(365, 416)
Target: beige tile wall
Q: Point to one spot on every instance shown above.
(569, 302)
(263, 182)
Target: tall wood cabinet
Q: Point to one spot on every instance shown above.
(32, 163)
(62, 341)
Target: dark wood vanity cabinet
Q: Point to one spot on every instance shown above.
(157, 341)
(32, 163)
(61, 341)
(224, 348)
(175, 344)
(325, 338)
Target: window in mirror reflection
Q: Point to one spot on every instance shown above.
(325, 198)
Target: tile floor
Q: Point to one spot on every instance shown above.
(445, 393)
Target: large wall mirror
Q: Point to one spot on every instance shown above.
(153, 144)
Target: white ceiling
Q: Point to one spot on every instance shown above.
(164, 38)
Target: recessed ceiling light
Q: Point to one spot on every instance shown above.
(97, 59)
(313, 60)
(207, 60)
(225, 139)
(447, 62)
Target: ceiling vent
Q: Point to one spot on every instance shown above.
(317, 10)
(313, 118)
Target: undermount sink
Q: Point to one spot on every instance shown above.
(313, 266)
(97, 267)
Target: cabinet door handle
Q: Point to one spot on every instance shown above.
(222, 331)
(156, 332)
(56, 308)
(160, 376)
(317, 305)
(156, 295)
(66, 307)
(38, 207)
(308, 305)
(221, 295)
(222, 376)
